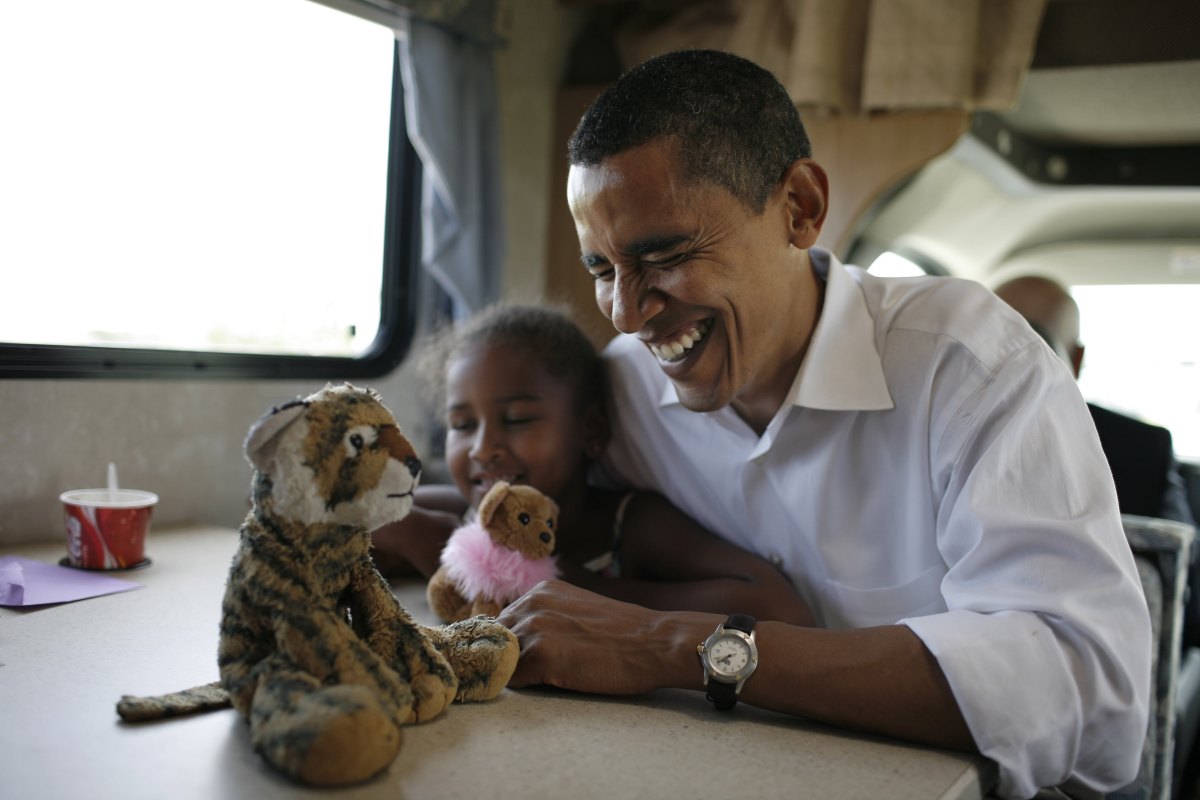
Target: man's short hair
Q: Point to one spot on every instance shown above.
(734, 123)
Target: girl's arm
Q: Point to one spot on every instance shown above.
(413, 546)
(670, 563)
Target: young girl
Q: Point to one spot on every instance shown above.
(523, 393)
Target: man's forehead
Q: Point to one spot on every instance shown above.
(658, 158)
(586, 181)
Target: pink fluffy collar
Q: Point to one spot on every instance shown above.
(481, 568)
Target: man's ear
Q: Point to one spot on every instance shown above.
(806, 198)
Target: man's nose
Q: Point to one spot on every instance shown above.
(633, 303)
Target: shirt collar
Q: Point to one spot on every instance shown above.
(842, 370)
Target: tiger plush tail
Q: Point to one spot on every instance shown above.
(208, 697)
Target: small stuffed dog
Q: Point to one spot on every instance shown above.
(315, 651)
(489, 563)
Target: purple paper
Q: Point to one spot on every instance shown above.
(25, 582)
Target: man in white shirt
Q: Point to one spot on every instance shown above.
(908, 451)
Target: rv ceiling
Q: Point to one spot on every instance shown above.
(1103, 148)
(1122, 105)
(1110, 72)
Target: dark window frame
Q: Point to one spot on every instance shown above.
(398, 309)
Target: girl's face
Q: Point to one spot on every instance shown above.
(508, 419)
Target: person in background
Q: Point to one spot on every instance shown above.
(523, 393)
(1140, 455)
(908, 451)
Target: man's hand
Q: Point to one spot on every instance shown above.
(875, 679)
(574, 639)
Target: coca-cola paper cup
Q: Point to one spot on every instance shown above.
(107, 529)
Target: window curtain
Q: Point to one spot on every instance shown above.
(450, 102)
(446, 63)
(852, 57)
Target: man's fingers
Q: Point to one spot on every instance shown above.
(530, 664)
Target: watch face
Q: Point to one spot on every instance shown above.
(729, 655)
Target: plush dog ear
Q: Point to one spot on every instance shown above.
(491, 501)
(263, 437)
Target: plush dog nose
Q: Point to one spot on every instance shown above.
(545, 537)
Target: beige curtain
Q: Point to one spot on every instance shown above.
(857, 56)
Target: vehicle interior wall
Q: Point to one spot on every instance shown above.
(183, 439)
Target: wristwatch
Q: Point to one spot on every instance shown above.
(729, 656)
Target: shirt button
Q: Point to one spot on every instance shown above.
(775, 559)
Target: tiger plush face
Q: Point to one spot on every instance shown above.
(336, 456)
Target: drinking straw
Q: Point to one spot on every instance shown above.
(112, 482)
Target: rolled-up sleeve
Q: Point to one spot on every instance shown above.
(1046, 643)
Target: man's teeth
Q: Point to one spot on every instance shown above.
(674, 351)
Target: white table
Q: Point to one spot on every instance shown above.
(63, 667)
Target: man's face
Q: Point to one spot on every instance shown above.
(710, 287)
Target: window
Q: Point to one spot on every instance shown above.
(901, 263)
(894, 265)
(1142, 355)
(219, 188)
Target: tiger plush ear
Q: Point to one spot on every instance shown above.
(491, 501)
(263, 437)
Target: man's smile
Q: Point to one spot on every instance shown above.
(676, 348)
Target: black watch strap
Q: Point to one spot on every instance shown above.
(722, 695)
(741, 622)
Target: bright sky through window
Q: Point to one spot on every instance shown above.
(206, 176)
(1142, 355)
(894, 265)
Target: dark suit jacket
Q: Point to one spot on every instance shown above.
(1143, 465)
(1140, 457)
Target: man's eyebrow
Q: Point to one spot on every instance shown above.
(655, 244)
(651, 244)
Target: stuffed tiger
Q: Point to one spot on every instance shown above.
(315, 651)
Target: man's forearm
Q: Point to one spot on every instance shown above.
(881, 679)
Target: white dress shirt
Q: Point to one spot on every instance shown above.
(933, 465)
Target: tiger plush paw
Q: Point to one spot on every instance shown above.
(482, 652)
